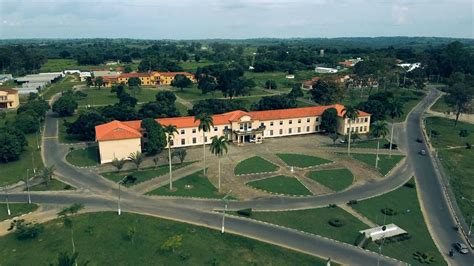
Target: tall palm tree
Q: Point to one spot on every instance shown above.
(170, 130)
(205, 124)
(351, 113)
(47, 174)
(395, 109)
(137, 158)
(218, 148)
(378, 130)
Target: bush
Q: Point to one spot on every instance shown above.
(129, 179)
(337, 222)
(25, 231)
(245, 212)
(332, 206)
(67, 187)
(463, 133)
(423, 257)
(410, 184)
(468, 145)
(388, 211)
(352, 202)
(387, 146)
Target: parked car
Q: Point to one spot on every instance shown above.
(423, 152)
(461, 248)
(419, 140)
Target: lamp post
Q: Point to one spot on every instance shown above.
(6, 200)
(381, 245)
(119, 210)
(224, 199)
(27, 185)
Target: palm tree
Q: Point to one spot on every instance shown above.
(170, 130)
(395, 109)
(136, 158)
(47, 173)
(218, 148)
(378, 130)
(205, 124)
(351, 113)
(118, 163)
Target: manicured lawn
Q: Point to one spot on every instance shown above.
(335, 179)
(316, 221)
(369, 144)
(441, 106)
(300, 160)
(53, 185)
(194, 185)
(254, 165)
(283, 83)
(56, 65)
(104, 96)
(63, 85)
(131, 239)
(457, 163)
(84, 157)
(385, 163)
(195, 94)
(183, 110)
(191, 66)
(145, 174)
(409, 217)
(15, 171)
(281, 185)
(16, 210)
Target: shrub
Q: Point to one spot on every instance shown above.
(410, 184)
(25, 231)
(332, 206)
(245, 212)
(423, 257)
(67, 187)
(352, 202)
(388, 211)
(387, 146)
(337, 222)
(468, 145)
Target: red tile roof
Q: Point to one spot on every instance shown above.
(174, 73)
(116, 130)
(134, 75)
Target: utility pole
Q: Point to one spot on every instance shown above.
(119, 210)
(27, 185)
(224, 199)
(381, 245)
(6, 199)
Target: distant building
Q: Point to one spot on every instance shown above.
(84, 75)
(409, 66)
(350, 62)
(5, 77)
(112, 63)
(9, 99)
(290, 76)
(71, 71)
(325, 70)
(308, 84)
(147, 79)
(36, 82)
(321, 53)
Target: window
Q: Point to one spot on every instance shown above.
(317, 119)
(299, 121)
(299, 129)
(183, 141)
(262, 124)
(360, 129)
(281, 123)
(271, 123)
(194, 130)
(271, 132)
(289, 131)
(145, 135)
(194, 140)
(308, 120)
(182, 132)
(241, 126)
(365, 128)
(366, 119)
(290, 122)
(281, 131)
(215, 128)
(171, 142)
(317, 128)
(307, 129)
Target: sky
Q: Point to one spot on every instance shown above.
(234, 19)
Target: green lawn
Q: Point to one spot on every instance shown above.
(316, 221)
(62, 134)
(410, 218)
(385, 163)
(54, 185)
(15, 171)
(254, 165)
(457, 162)
(194, 185)
(84, 157)
(283, 84)
(441, 106)
(105, 97)
(16, 210)
(335, 179)
(64, 84)
(131, 239)
(281, 185)
(183, 110)
(195, 94)
(191, 66)
(410, 99)
(143, 175)
(56, 65)
(369, 144)
(300, 160)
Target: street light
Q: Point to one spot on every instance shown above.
(224, 199)
(119, 209)
(6, 199)
(381, 245)
(27, 185)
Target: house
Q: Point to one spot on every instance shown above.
(409, 66)
(71, 71)
(350, 62)
(84, 75)
(290, 76)
(325, 70)
(119, 139)
(308, 84)
(9, 99)
(146, 79)
(165, 78)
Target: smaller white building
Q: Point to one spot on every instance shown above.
(409, 66)
(71, 71)
(378, 233)
(84, 75)
(325, 70)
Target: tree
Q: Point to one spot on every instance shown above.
(118, 112)
(118, 163)
(84, 126)
(351, 113)
(205, 124)
(66, 105)
(127, 69)
(207, 84)
(47, 174)
(27, 122)
(181, 154)
(67, 221)
(218, 148)
(395, 109)
(89, 82)
(378, 130)
(216, 106)
(329, 120)
(10, 147)
(158, 109)
(64, 54)
(64, 259)
(274, 102)
(172, 243)
(136, 158)
(326, 92)
(156, 159)
(99, 82)
(134, 82)
(38, 106)
(181, 82)
(271, 85)
(156, 137)
(459, 98)
(170, 130)
(126, 99)
(296, 92)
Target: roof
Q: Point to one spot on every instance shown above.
(134, 75)
(10, 91)
(115, 130)
(174, 73)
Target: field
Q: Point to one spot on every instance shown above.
(84, 157)
(16, 209)
(64, 84)
(385, 163)
(191, 66)
(104, 96)
(56, 65)
(335, 179)
(300, 160)
(109, 239)
(408, 216)
(457, 162)
(281, 185)
(254, 165)
(369, 144)
(283, 84)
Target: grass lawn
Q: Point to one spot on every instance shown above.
(316, 221)
(105, 97)
(143, 175)
(15, 171)
(283, 84)
(254, 165)
(300, 160)
(84, 157)
(405, 202)
(132, 239)
(441, 106)
(183, 110)
(194, 185)
(281, 185)
(56, 65)
(410, 99)
(195, 94)
(191, 66)
(369, 144)
(64, 84)
(335, 179)
(54, 185)
(385, 163)
(457, 163)
(16, 209)
(62, 134)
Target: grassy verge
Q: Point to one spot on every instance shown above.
(316, 221)
(16, 210)
(441, 106)
(404, 202)
(105, 97)
(281, 185)
(54, 185)
(369, 144)
(84, 157)
(64, 84)
(335, 179)
(254, 165)
(62, 134)
(143, 175)
(132, 239)
(300, 160)
(385, 163)
(194, 185)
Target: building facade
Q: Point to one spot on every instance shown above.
(119, 139)
(147, 79)
(9, 99)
